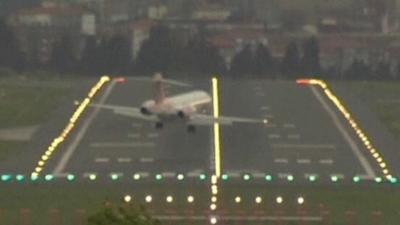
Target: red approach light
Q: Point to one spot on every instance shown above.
(303, 82)
(120, 80)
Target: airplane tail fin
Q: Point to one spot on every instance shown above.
(159, 88)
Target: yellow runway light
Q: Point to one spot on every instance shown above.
(352, 122)
(69, 127)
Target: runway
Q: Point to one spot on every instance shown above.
(305, 138)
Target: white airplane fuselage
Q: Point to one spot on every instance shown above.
(178, 106)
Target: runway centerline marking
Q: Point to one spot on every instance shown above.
(353, 146)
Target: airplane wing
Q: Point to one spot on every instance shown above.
(128, 111)
(205, 120)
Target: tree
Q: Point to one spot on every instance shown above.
(122, 214)
(10, 53)
(198, 56)
(290, 66)
(90, 56)
(243, 62)
(358, 70)
(310, 61)
(158, 52)
(263, 61)
(119, 55)
(382, 71)
(63, 58)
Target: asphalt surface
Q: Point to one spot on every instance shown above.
(122, 145)
(300, 140)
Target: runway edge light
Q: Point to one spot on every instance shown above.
(352, 123)
(69, 127)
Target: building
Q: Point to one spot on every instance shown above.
(37, 28)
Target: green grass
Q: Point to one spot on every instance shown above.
(10, 148)
(70, 197)
(25, 106)
(337, 200)
(384, 99)
(26, 101)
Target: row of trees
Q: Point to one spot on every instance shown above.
(162, 52)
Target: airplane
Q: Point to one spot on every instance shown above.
(184, 107)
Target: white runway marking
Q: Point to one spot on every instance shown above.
(192, 175)
(294, 136)
(274, 136)
(282, 160)
(124, 160)
(233, 174)
(303, 161)
(146, 160)
(153, 135)
(169, 174)
(195, 173)
(258, 175)
(353, 146)
(134, 135)
(122, 145)
(303, 146)
(264, 107)
(144, 174)
(326, 161)
(260, 94)
(102, 160)
(289, 126)
(81, 133)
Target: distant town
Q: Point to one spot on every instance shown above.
(335, 39)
